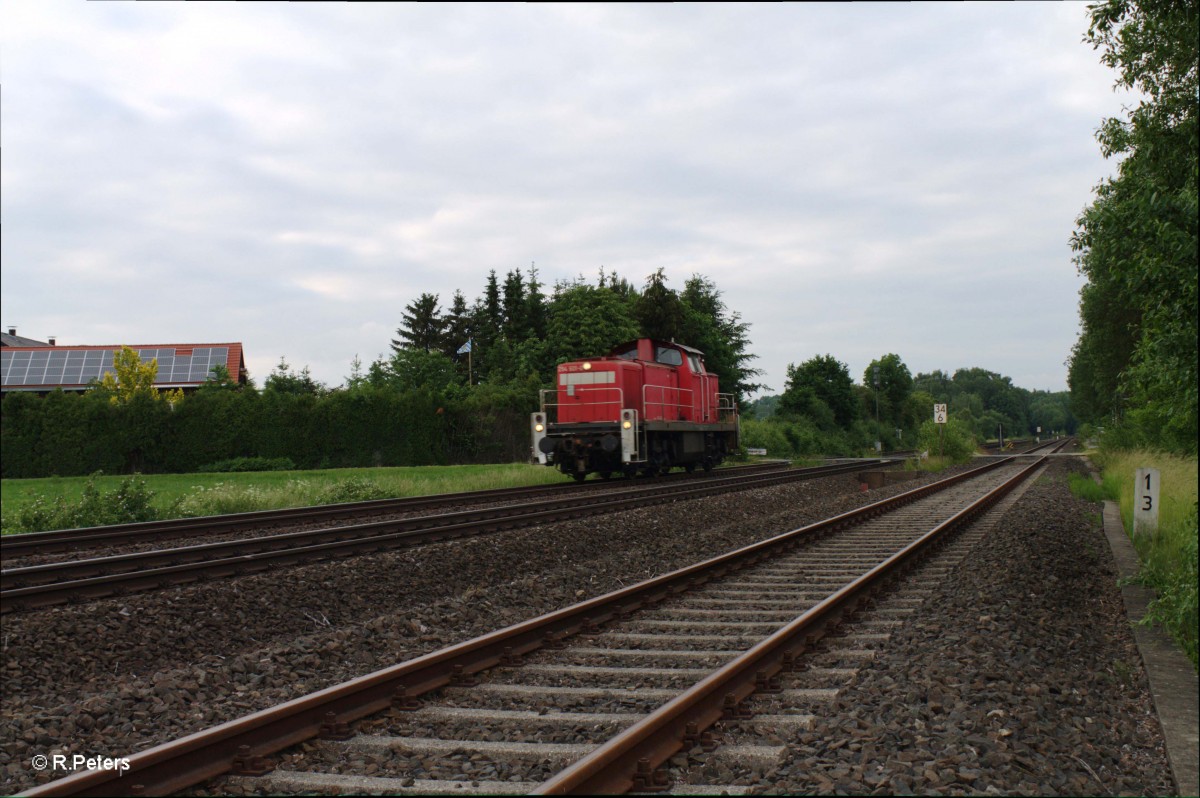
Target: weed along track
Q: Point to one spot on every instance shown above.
(598, 696)
(52, 583)
(153, 533)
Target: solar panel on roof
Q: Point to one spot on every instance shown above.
(49, 367)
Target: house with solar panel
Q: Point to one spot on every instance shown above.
(42, 366)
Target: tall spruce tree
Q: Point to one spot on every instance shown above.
(658, 310)
(515, 308)
(421, 325)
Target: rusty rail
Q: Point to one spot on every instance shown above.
(628, 760)
(238, 745)
(38, 586)
(64, 539)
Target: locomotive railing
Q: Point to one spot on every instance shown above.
(662, 404)
(727, 409)
(654, 397)
(551, 409)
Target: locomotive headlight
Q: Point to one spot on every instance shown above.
(539, 427)
(626, 424)
(587, 366)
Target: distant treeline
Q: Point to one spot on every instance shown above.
(430, 403)
(823, 411)
(426, 403)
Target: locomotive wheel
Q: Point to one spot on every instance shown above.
(579, 476)
(605, 475)
(690, 467)
(708, 465)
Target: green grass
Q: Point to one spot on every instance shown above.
(1169, 556)
(1088, 489)
(180, 495)
(34, 505)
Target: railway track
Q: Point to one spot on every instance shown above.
(42, 543)
(634, 677)
(49, 584)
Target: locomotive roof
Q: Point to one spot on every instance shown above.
(656, 342)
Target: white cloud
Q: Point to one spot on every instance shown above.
(292, 176)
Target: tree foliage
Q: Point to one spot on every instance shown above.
(1135, 361)
(821, 389)
(421, 325)
(287, 381)
(411, 407)
(132, 380)
(893, 383)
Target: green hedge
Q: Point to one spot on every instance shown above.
(77, 434)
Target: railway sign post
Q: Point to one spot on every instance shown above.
(939, 418)
(1145, 505)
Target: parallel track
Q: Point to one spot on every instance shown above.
(792, 589)
(38, 543)
(38, 586)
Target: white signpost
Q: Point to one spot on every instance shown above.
(939, 417)
(1145, 505)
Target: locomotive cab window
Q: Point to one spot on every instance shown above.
(627, 354)
(696, 364)
(667, 356)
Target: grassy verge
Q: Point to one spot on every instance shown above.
(1169, 556)
(34, 504)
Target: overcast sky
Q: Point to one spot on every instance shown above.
(856, 179)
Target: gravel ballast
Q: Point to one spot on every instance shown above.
(1018, 676)
(117, 676)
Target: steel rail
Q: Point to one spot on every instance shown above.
(30, 543)
(38, 586)
(628, 760)
(239, 745)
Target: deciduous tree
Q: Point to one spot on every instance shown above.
(1137, 243)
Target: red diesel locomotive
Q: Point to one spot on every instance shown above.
(647, 406)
